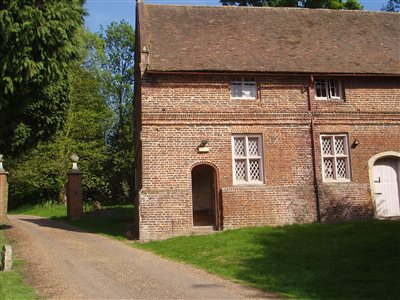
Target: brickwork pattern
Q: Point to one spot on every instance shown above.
(3, 196)
(352, 200)
(178, 112)
(74, 195)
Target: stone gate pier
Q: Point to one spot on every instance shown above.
(3, 192)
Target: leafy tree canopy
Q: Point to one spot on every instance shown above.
(118, 77)
(38, 43)
(39, 174)
(392, 6)
(119, 43)
(97, 127)
(332, 4)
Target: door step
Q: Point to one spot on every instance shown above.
(203, 229)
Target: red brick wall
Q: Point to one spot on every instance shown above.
(178, 112)
(352, 200)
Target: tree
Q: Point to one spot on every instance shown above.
(38, 44)
(118, 77)
(40, 173)
(332, 4)
(392, 6)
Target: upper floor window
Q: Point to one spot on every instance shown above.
(335, 157)
(247, 159)
(243, 89)
(328, 89)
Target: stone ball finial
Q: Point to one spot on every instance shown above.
(1, 157)
(1, 163)
(74, 158)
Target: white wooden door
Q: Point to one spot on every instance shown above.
(386, 187)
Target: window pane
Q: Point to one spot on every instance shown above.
(320, 87)
(254, 167)
(340, 145)
(341, 168)
(240, 170)
(249, 89)
(328, 168)
(332, 89)
(327, 146)
(236, 89)
(253, 147)
(239, 147)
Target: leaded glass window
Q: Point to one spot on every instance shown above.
(335, 157)
(247, 159)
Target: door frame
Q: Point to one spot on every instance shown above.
(217, 197)
(371, 163)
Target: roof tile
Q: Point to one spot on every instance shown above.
(247, 39)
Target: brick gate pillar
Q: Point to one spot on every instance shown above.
(3, 192)
(74, 190)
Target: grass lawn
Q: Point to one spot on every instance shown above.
(314, 261)
(46, 210)
(11, 284)
(112, 221)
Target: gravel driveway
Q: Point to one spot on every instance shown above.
(66, 263)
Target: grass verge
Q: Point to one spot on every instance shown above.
(313, 261)
(113, 221)
(11, 283)
(46, 210)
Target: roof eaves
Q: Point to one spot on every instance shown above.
(221, 72)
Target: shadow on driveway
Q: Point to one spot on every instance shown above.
(116, 222)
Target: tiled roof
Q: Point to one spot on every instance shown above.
(246, 39)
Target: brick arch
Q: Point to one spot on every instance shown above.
(205, 162)
(371, 163)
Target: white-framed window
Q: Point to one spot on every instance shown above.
(328, 89)
(247, 160)
(335, 157)
(243, 89)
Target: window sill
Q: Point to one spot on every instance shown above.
(248, 184)
(330, 99)
(337, 181)
(232, 98)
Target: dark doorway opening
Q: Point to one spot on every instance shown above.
(205, 209)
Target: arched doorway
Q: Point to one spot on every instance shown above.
(205, 196)
(386, 182)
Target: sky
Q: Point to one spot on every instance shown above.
(103, 12)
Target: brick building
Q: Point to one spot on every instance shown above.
(264, 116)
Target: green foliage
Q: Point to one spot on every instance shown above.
(35, 176)
(313, 261)
(332, 4)
(97, 126)
(118, 77)
(392, 6)
(40, 174)
(47, 209)
(38, 44)
(89, 120)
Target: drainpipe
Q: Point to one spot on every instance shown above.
(314, 156)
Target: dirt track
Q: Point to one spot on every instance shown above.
(66, 263)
